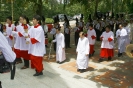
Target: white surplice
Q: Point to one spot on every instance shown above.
(82, 49)
(9, 55)
(60, 44)
(9, 33)
(37, 49)
(89, 34)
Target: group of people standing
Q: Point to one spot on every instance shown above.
(28, 42)
(110, 31)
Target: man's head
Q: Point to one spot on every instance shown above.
(81, 34)
(58, 30)
(36, 20)
(91, 26)
(108, 28)
(9, 20)
(120, 26)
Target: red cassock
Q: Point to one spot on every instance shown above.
(106, 52)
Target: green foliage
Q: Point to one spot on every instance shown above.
(49, 20)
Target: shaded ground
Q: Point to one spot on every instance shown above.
(113, 74)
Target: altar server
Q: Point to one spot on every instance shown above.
(82, 53)
(107, 46)
(91, 35)
(35, 39)
(60, 46)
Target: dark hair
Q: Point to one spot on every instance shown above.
(82, 33)
(16, 23)
(10, 18)
(108, 27)
(27, 20)
(121, 24)
(58, 29)
(23, 16)
(91, 25)
(38, 18)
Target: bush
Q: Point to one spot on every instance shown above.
(49, 20)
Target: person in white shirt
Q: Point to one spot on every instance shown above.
(122, 40)
(60, 46)
(91, 35)
(82, 53)
(9, 55)
(107, 46)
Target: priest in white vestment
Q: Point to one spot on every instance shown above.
(122, 40)
(82, 53)
(60, 46)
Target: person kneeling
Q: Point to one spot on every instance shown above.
(82, 53)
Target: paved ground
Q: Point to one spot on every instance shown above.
(114, 74)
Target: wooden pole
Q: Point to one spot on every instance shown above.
(12, 9)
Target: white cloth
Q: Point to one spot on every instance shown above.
(122, 40)
(118, 38)
(60, 44)
(98, 26)
(128, 35)
(37, 49)
(105, 42)
(9, 55)
(81, 24)
(9, 33)
(53, 31)
(20, 41)
(89, 34)
(45, 28)
(67, 30)
(83, 49)
(76, 29)
(130, 25)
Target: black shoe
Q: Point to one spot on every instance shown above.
(82, 70)
(90, 55)
(38, 73)
(60, 62)
(100, 60)
(69, 47)
(57, 61)
(119, 54)
(78, 70)
(109, 58)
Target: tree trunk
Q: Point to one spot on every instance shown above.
(39, 8)
(96, 7)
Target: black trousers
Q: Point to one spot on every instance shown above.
(98, 33)
(76, 38)
(67, 40)
(26, 63)
(54, 43)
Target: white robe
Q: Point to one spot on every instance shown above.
(20, 41)
(89, 34)
(82, 49)
(105, 43)
(9, 33)
(128, 35)
(37, 49)
(118, 38)
(122, 40)
(9, 55)
(60, 44)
